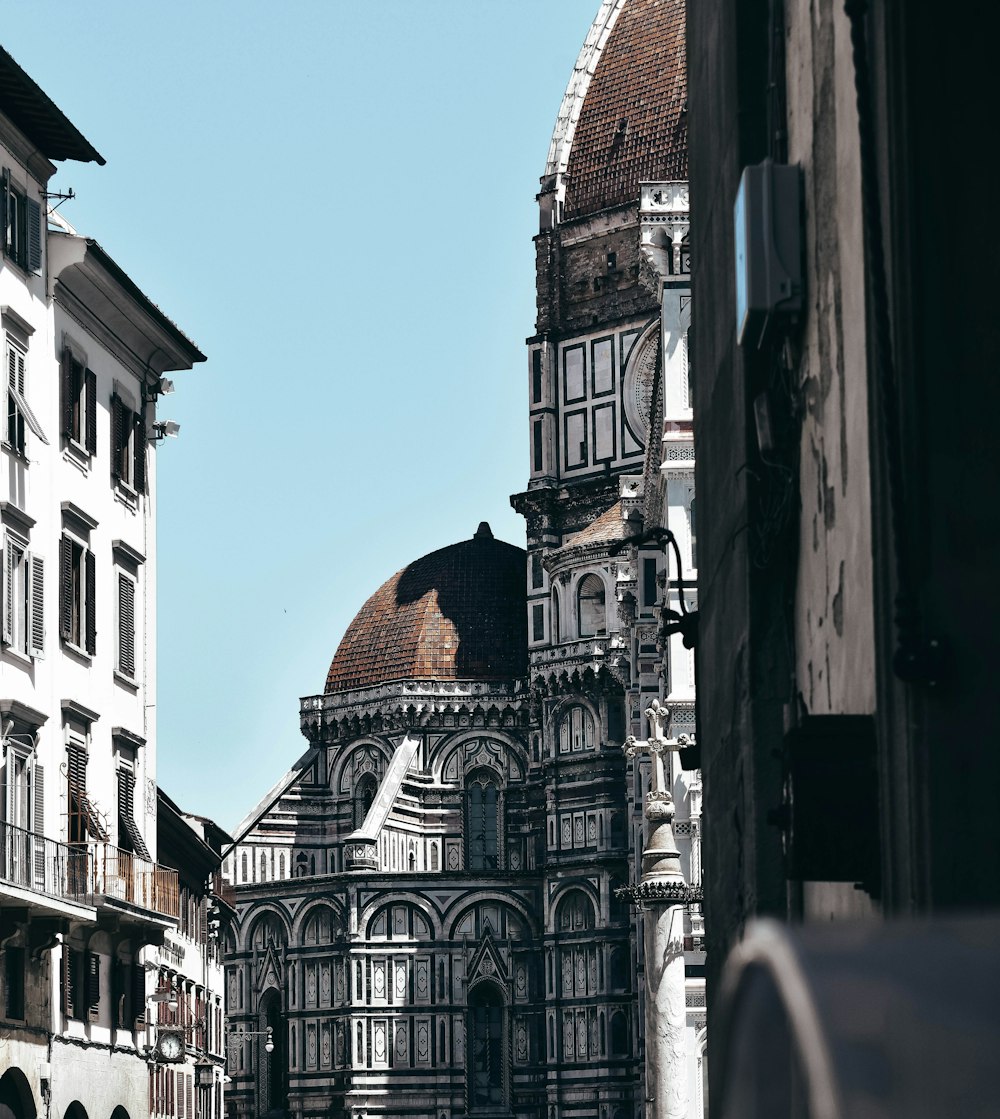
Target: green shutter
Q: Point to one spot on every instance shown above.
(66, 387)
(35, 567)
(117, 435)
(126, 625)
(38, 822)
(91, 604)
(90, 405)
(7, 593)
(139, 450)
(34, 230)
(65, 588)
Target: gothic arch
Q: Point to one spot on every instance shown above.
(257, 917)
(422, 905)
(456, 913)
(341, 780)
(399, 921)
(460, 753)
(301, 923)
(591, 596)
(574, 886)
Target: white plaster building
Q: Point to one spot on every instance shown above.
(81, 892)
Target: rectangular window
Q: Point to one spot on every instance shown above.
(79, 402)
(128, 445)
(23, 581)
(18, 416)
(22, 226)
(13, 975)
(536, 446)
(129, 836)
(575, 439)
(538, 623)
(604, 432)
(537, 575)
(574, 374)
(74, 982)
(77, 595)
(83, 821)
(536, 376)
(602, 368)
(126, 625)
(648, 582)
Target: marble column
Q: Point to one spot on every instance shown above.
(663, 893)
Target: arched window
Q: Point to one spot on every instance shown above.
(487, 1050)
(484, 820)
(281, 865)
(555, 625)
(263, 867)
(685, 254)
(621, 977)
(575, 912)
(591, 614)
(576, 730)
(364, 797)
(619, 1035)
(301, 865)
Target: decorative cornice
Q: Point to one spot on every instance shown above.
(676, 893)
(15, 516)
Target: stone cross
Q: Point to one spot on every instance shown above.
(655, 746)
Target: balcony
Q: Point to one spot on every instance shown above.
(42, 873)
(121, 876)
(34, 868)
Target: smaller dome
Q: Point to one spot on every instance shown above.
(455, 614)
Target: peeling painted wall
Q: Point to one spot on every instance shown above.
(834, 638)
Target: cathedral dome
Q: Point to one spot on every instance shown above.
(624, 116)
(456, 614)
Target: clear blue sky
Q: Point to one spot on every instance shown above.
(335, 201)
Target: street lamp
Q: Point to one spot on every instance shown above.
(240, 1035)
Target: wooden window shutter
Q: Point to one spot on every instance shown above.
(65, 588)
(93, 965)
(34, 222)
(67, 979)
(36, 602)
(66, 387)
(138, 996)
(38, 821)
(7, 592)
(4, 188)
(117, 435)
(126, 625)
(91, 604)
(89, 404)
(139, 450)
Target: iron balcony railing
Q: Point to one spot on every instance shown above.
(84, 873)
(44, 866)
(125, 876)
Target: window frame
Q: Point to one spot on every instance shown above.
(18, 418)
(78, 388)
(20, 225)
(22, 628)
(126, 626)
(128, 442)
(77, 594)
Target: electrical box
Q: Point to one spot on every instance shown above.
(768, 221)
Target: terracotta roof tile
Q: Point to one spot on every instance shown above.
(633, 124)
(608, 526)
(456, 614)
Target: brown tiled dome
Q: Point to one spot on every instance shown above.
(633, 122)
(456, 614)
